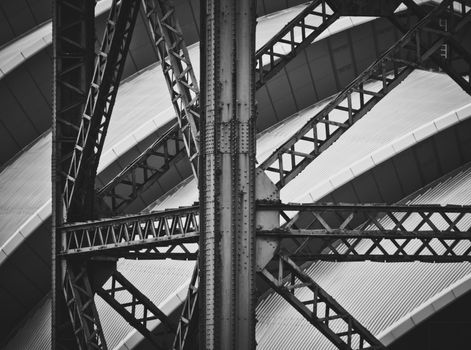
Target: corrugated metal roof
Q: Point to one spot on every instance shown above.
(25, 185)
(35, 333)
(422, 98)
(377, 294)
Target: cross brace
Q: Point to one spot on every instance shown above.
(354, 101)
(134, 307)
(375, 232)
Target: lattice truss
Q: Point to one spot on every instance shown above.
(135, 307)
(307, 232)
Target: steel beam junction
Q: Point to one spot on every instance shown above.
(157, 159)
(386, 233)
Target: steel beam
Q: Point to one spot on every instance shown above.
(73, 43)
(82, 310)
(178, 72)
(320, 308)
(109, 65)
(428, 233)
(354, 101)
(168, 234)
(135, 307)
(438, 37)
(133, 234)
(188, 324)
(294, 37)
(227, 177)
(136, 178)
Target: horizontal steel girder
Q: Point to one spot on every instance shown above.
(355, 101)
(320, 308)
(121, 191)
(386, 233)
(141, 235)
(347, 232)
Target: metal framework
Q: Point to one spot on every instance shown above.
(461, 57)
(109, 65)
(82, 310)
(220, 145)
(134, 307)
(178, 72)
(319, 308)
(187, 326)
(138, 176)
(292, 39)
(133, 234)
(398, 233)
(73, 43)
(351, 104)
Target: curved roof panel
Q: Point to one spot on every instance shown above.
(377, 294)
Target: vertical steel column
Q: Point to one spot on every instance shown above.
(227, 179)
(73, 47)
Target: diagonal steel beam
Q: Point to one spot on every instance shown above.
(134, 307)
(82, 309)
(294, 37)
(109, 65)
(132, 181)
(353, 102)
(319, 307)
(188, 324)
(398, 233)
(178, 72)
